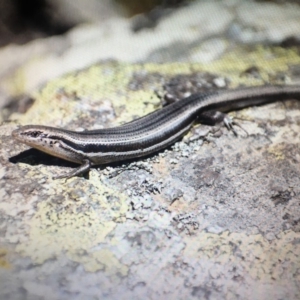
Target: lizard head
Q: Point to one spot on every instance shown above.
(47, 139)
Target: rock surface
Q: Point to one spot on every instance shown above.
(212, 217)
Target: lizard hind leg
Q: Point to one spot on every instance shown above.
(212, 117)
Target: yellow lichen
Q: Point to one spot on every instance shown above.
(74, 226)
(4, 264)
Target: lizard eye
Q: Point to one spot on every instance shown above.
(34, 134)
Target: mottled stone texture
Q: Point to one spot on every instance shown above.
(215, 216)
(211, 217)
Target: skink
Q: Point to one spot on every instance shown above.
(147, 134)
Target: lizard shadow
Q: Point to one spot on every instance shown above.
(35, 157)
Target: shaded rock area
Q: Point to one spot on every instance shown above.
(214, 216)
